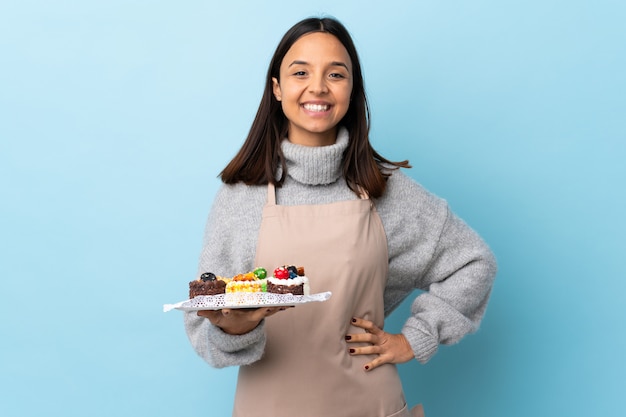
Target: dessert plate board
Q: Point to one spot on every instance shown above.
(245, 300)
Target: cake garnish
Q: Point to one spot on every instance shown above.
(208, 276)
(281, 273)
(293, 271)
(260, 273)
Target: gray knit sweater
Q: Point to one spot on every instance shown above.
(430, 249)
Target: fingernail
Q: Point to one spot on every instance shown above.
(351, 351)
(348, 337)
(367, 367)
(353, 320)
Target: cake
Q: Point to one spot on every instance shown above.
(207, 284)
(249, 282)
(288, 279)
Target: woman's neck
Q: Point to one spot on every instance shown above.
(304, 138)
(316, 165)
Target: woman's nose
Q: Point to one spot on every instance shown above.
(318, 85)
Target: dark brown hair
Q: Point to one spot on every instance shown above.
(258, 159)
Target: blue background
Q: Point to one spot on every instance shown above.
(116, 117)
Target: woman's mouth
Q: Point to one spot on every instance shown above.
(318, 108)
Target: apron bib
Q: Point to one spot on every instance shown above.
(306, 370)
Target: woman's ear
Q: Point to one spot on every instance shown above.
(276, 89)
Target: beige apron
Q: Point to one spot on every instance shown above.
(306, 370)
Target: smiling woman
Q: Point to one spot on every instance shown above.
(308, 187)
(314, 88)
(261, 160)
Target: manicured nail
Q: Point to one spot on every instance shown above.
(353, 320)
(351, 351)
(348, 337)
(367, 367)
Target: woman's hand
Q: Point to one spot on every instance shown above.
(238, 321)
(390, 348)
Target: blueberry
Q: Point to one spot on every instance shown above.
(208, 276)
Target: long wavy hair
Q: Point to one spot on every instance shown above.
(257, 161)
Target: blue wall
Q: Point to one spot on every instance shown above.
(116, 117)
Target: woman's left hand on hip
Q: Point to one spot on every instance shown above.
(390, 348)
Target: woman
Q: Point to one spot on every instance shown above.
(307, 188)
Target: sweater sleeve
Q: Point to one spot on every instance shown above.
(229, 247)
(433, 250)
(459, 280)
(220, 349)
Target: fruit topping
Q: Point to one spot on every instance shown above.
(293, 271)
(208, 276)
(281, 273)
(260, 273)
(244, 277)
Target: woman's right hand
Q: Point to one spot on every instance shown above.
(237, 321)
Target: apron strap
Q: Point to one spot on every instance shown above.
(363, 195)
(271, 194)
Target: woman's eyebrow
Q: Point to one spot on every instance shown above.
(333, 64)
(298, 63)
(340, 64)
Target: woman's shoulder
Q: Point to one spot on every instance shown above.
(403, 191)
(235, 197)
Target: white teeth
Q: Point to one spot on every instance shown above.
(316, 107)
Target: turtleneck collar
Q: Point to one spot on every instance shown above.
(315, 165)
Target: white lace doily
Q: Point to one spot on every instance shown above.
(244, 300)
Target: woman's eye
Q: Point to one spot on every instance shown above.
(336, 75)
(300, 74)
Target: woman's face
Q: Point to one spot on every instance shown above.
(314, 89)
